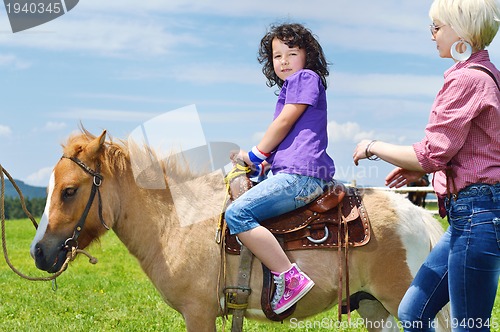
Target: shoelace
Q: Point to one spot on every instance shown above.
(279, 281)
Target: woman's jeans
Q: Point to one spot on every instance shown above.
(463, 268)
(272, 197)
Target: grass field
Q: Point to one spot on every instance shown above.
(113, 295)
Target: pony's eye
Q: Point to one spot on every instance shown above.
(68, 193)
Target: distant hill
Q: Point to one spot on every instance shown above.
(27, 190)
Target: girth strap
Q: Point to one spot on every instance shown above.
(242, 291)
(343, 224)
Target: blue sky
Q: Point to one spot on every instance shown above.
(116, 64)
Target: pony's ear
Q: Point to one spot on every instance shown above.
(96, 144)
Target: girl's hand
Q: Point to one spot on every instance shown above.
(400, 177)
(240, 155)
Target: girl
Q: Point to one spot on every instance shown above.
(463, 137)
(294, 147)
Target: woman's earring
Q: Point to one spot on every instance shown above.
(455, 54)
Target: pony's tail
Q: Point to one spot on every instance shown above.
(434, 229)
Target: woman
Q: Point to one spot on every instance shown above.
(462, 148)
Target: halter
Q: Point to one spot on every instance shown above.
(96, 183)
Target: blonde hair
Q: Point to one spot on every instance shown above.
(475, 21)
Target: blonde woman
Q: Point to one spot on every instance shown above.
(462, 148)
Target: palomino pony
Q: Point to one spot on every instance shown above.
(184, 261)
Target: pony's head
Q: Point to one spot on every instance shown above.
(73, 215)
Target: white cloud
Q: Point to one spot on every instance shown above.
(13, 62)
(126, 98)
(39, 178)
(54, 126)
(343, 11)
(347, 132)
(400, 85)
(353, 132)
(124, 28)
(388, 116)
(105, 115)
(101, 35)
(218, 73)
(5, 131)
(156, 28)
(399, 27)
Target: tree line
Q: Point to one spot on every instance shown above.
(14, 210)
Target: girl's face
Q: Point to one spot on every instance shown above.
(287, 60)
(444, 36)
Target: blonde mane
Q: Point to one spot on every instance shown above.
(117, 156)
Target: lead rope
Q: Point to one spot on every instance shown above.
(71, 253)
(21, 197)
(237, 171)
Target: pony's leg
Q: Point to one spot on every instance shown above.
(197, 326)
(198, 322)
(376, 317)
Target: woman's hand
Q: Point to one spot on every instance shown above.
(403, 156)
(360, 151)
(400, 177)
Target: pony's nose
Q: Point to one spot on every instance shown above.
(38, 255)
(37, 252)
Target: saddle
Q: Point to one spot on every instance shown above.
(323, 223)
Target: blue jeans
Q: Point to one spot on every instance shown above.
(272, 197)
(463, 268)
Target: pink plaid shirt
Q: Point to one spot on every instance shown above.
(464, 127)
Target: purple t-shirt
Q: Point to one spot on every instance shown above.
(303, 150)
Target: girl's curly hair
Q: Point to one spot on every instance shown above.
(294, 35)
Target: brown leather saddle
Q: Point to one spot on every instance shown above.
(316, 225)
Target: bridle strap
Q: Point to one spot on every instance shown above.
(87, 169)
(96, 183)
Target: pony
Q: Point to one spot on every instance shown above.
(183, 260)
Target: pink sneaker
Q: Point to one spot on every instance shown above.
(291, 286)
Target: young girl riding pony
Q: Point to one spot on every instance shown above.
(293, 147)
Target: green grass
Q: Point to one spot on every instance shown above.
(113, 295)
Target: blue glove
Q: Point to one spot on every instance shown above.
(256, 156)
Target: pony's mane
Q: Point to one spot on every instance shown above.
(117, 155)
